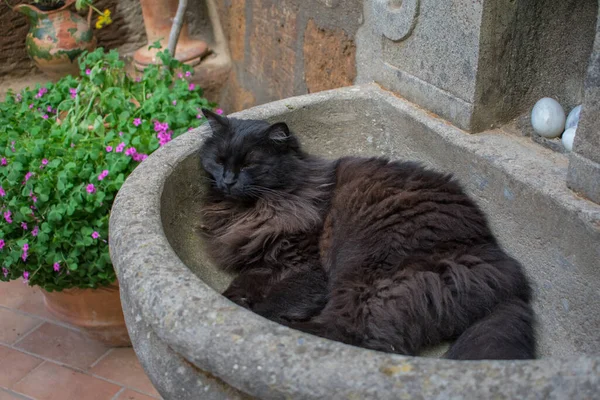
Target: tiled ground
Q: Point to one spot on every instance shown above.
(44, 359)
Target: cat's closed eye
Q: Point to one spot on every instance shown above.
(248, 165)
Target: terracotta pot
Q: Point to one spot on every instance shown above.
(56, 38)
(97, 311)
(158, 19)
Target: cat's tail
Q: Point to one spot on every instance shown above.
(508, 333)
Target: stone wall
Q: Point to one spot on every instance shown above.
(283, 48)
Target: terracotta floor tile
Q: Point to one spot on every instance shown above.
(53, 382)
(4, 395)
(129, 394)
(14, 365)
(121, 365)
(62, 344)
(14, 325)
(17, 295)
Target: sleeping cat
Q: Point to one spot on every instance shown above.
(381, 254)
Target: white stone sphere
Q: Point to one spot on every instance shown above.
(548, 118)
(568, 137)
(573, 117)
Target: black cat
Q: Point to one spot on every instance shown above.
(381, 254)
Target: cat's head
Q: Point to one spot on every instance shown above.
(248, 158)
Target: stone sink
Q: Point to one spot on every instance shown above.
(196, 344)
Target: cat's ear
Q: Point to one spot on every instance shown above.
(217, 122)
(279, 132)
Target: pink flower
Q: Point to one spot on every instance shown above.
(161, 127)
(174, 102)
(130, 151)
(49, 109)
(2, 192)
(2, 243)
(34, 198)
(24, 225)
(5, 272)
(12, 146)
(120, 133)
(95, 235)
(199, 116)
(44, 162)
(45, 116)
(25, 247)
(28, 176)
(164, 138)
(180, 75)
(19, 97)
(109, 149)
(120, 147)
(191, 87)
(41, 93)
(35, 230)
(188, 74)
(103, 175)
(219, 111)
(137, 121)
(25, 275)
(138, 79)
(90, 188)
(139, 157)
(31, 106)
(88, 71)
(4, 161)
(7, 217)
(56, 267)
(73, 92)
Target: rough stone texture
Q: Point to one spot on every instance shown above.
(190, 339)
(273, 41)
(267, 38)
(329, 58)
(584, 168)
(480, 64)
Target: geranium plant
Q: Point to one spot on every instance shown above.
(65, 150)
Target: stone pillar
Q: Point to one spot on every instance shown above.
(477, 63)
(584, 162)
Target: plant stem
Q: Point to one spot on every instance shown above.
(176, 28)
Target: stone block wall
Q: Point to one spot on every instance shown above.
(283, 48)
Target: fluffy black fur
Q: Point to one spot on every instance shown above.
(381, 254)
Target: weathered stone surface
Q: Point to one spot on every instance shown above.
(480, 64)
(237, 31)
(329, 58)
(180, 323)
(269, 61)
(584, 169)
(272, 53)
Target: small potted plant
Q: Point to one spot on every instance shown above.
(57, 35)
(65, 150)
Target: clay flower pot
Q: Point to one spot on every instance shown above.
(97, 311)
(56, 38)
(158, 20)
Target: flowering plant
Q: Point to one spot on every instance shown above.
(65, 150)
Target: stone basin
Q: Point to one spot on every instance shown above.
(196, 344)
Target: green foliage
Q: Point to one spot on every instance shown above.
(65, 150)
